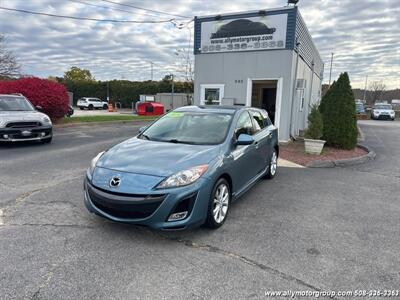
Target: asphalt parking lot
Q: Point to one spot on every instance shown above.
(308, 229)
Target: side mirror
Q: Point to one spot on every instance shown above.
(39, 108)
(244, 139)
(141, 129)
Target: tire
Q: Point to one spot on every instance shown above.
(82, 108)
(273, 166)
(90, 107)
(46, 141)
(105, 106)
(217, 200)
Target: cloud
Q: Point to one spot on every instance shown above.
(363, 35)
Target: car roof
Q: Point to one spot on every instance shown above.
(12, 95)
(229, 109)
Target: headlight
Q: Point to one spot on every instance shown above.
(183, 178)
(46, 120)
(94, 161)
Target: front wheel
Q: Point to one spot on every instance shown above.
(273, 166)
(105, 106)
(219, 204)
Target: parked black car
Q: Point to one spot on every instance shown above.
(70, 111)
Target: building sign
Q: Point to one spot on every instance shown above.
(246, 34)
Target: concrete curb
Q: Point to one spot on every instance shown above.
(344, 162)
(101, 123)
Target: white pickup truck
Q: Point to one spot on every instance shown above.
(91, 103)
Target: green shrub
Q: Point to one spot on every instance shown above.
(315, 124)
(339, 115)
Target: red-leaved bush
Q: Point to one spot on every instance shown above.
(50, 95)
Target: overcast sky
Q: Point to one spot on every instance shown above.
(364, 35)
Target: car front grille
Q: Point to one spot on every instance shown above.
(124, 206)
(23, 124)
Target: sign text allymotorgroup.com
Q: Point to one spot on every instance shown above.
(245, 34)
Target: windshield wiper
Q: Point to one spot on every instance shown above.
(176, 141)
(146, 136)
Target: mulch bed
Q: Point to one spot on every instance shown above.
(294, 151)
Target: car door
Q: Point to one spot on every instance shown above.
(262, 139)
(245, 162)
(96, 102)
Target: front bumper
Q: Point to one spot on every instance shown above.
(384, 117)
(152, 209)
(25, 134)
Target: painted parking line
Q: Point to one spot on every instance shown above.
(288, 164)
(1, 217)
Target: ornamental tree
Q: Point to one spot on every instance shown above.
(50, 95)
(339, 115)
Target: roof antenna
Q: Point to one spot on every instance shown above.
(294, 2)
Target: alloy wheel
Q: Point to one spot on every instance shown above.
(220, 203)
(274, 163)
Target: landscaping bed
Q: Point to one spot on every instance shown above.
(294, 151)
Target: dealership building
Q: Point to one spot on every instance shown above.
(264, 59)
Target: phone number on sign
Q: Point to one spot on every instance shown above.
(379, 293)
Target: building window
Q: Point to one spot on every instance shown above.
(211, 94)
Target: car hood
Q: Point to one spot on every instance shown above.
(21, 116)
(156, 158)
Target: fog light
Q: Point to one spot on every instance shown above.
(177, 216)
(5, 136)
(43, 133)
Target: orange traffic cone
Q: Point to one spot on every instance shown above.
(110, 107)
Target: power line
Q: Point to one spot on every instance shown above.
(146, 9)
(112, 8)
(84, 18)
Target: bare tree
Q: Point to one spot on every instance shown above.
(8, 62)
(377, 90)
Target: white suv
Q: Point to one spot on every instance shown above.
(91, 103)
(383, 111)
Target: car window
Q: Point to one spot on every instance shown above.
(15, 104)
(258, 119)
(266, 118)
(190, 128)
(383, 106)
(244, 125)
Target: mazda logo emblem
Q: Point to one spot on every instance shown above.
(115, 182)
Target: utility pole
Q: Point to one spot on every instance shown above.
(151, 65)
(330, 72)
(173, 90)
(108, 92)
(365, 88)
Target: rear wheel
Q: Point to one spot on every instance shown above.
(273, 166)
(219, 204)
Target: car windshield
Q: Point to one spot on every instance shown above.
(383, 106)
(15, 104)
(189, 128)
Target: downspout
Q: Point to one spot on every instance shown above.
(294, 91)
(312, 81)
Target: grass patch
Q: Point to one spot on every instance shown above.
(88, 119)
